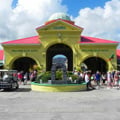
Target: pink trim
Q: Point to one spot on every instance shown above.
(118, 53)
(52, 21)
(85, 39)
(1, 54)
(29, 40)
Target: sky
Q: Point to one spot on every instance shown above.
(20, 18)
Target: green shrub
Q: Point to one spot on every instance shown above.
(59, 75)
(69, 73)
(44, 77)
(39, 77)
(74, 77)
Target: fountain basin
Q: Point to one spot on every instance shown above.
(58, 87)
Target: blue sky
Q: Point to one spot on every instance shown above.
(14, 3)
(74, 7)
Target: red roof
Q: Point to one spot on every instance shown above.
(1, 54)
(85, 39)
(65, 21)
(51, 21)
(118, 53)
(36, 40)
(29, 40)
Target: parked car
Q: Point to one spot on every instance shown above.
(8, 79)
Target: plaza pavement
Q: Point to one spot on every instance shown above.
(24, 104)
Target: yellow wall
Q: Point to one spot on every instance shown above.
(102, 51)
(68, 35)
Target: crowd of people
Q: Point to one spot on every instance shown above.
(95, 80)
(23, 77)
(110, 79)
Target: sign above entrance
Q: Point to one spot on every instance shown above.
(59, 27)
(94, 50)
(22, 50)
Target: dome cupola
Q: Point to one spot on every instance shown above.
(59, 16)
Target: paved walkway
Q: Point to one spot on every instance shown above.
(102, 104)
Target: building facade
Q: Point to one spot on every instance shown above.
(60, 36)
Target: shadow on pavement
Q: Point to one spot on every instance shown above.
(18, 90)
(23, 90)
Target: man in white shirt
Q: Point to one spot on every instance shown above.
(88, 81)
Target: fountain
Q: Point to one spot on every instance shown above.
(61, 85)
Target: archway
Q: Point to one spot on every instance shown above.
(59, 49)
(59, 62)
(59, 58)
(96, 64)
(23, 64)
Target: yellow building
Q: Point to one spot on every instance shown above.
(60, 36)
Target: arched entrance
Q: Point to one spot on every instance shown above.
(96, 63)
(23, 64)
(59, 62)
(59, 49)
(60, 59)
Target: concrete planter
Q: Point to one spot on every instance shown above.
(58, 87)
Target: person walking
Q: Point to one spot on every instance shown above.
(104, 78)
(20, 77)
(115, 79)
(88, 81)
(97, 78)
(25, 78)
(118, 83)
(109, 80)
(33, 76)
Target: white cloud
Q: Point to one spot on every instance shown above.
(5, 11)
(101, 22)
(21, 21)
